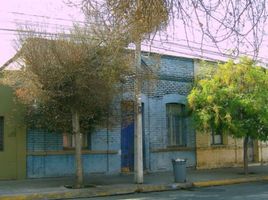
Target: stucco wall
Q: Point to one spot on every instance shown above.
(13, 157)
(230, 153)
(261, 152)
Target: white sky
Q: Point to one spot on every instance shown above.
(10, 20)
(59, 15)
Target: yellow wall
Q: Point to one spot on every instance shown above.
(230, 153)
(261, 152)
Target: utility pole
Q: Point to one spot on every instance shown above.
(138, 153)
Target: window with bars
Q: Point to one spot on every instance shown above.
(69, 141)
(1, 133)
(176, 124)
(216, 137)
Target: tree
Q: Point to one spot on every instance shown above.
(135, 20)
(240, 22)
(235, 26)
(233, 101)
(68, 84)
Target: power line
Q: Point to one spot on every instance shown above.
(69, 20)
(195, 49)
(56, 34)
(163, 48)
(184, 53)
(32, 32)
(205, 50)
(187, 47)
(26, 22)
(168, 42)
(45, 16)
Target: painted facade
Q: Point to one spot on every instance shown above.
(226, 151)
(227, 154)
(36, 153)
(175, 81)
(46, 156)
(13, 137)
(111, 150)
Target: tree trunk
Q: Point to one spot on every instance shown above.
(246, 155)
(78, 150)
(138, 156)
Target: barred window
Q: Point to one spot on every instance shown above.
(1, 133)
(176, 124)
(216, 137)
(69, 141)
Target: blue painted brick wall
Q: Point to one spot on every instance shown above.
(176, 75)
(39, 140)
(175, 82)
(63, 165)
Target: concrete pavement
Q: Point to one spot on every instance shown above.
(106, 185)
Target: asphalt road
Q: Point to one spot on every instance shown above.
(250, 191)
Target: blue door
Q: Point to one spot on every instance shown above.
(127, 136)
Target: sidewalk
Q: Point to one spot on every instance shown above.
(105, 185)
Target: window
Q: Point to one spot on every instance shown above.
(1, 133)
(216, 137)
(69, 141)
(176, 125)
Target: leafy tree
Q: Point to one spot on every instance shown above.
(233, 101)
(69, 83)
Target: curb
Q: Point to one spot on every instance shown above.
(63, 195)
(102, 192)
(229, 181)
(163, 187)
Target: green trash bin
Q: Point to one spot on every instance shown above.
(179, 170)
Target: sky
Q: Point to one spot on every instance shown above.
(56, 15)
(52, 14)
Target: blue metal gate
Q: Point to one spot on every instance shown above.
(127, 136)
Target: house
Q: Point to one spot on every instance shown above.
(12, 137)
(111, 150)
(214, 151)
(168, 133)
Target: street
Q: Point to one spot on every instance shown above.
(251, 191)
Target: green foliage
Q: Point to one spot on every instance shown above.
(205, 70)
(234, 100)
(63, 75)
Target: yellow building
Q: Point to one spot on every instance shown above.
(214, 151)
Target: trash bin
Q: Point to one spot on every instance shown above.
(179, 170)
